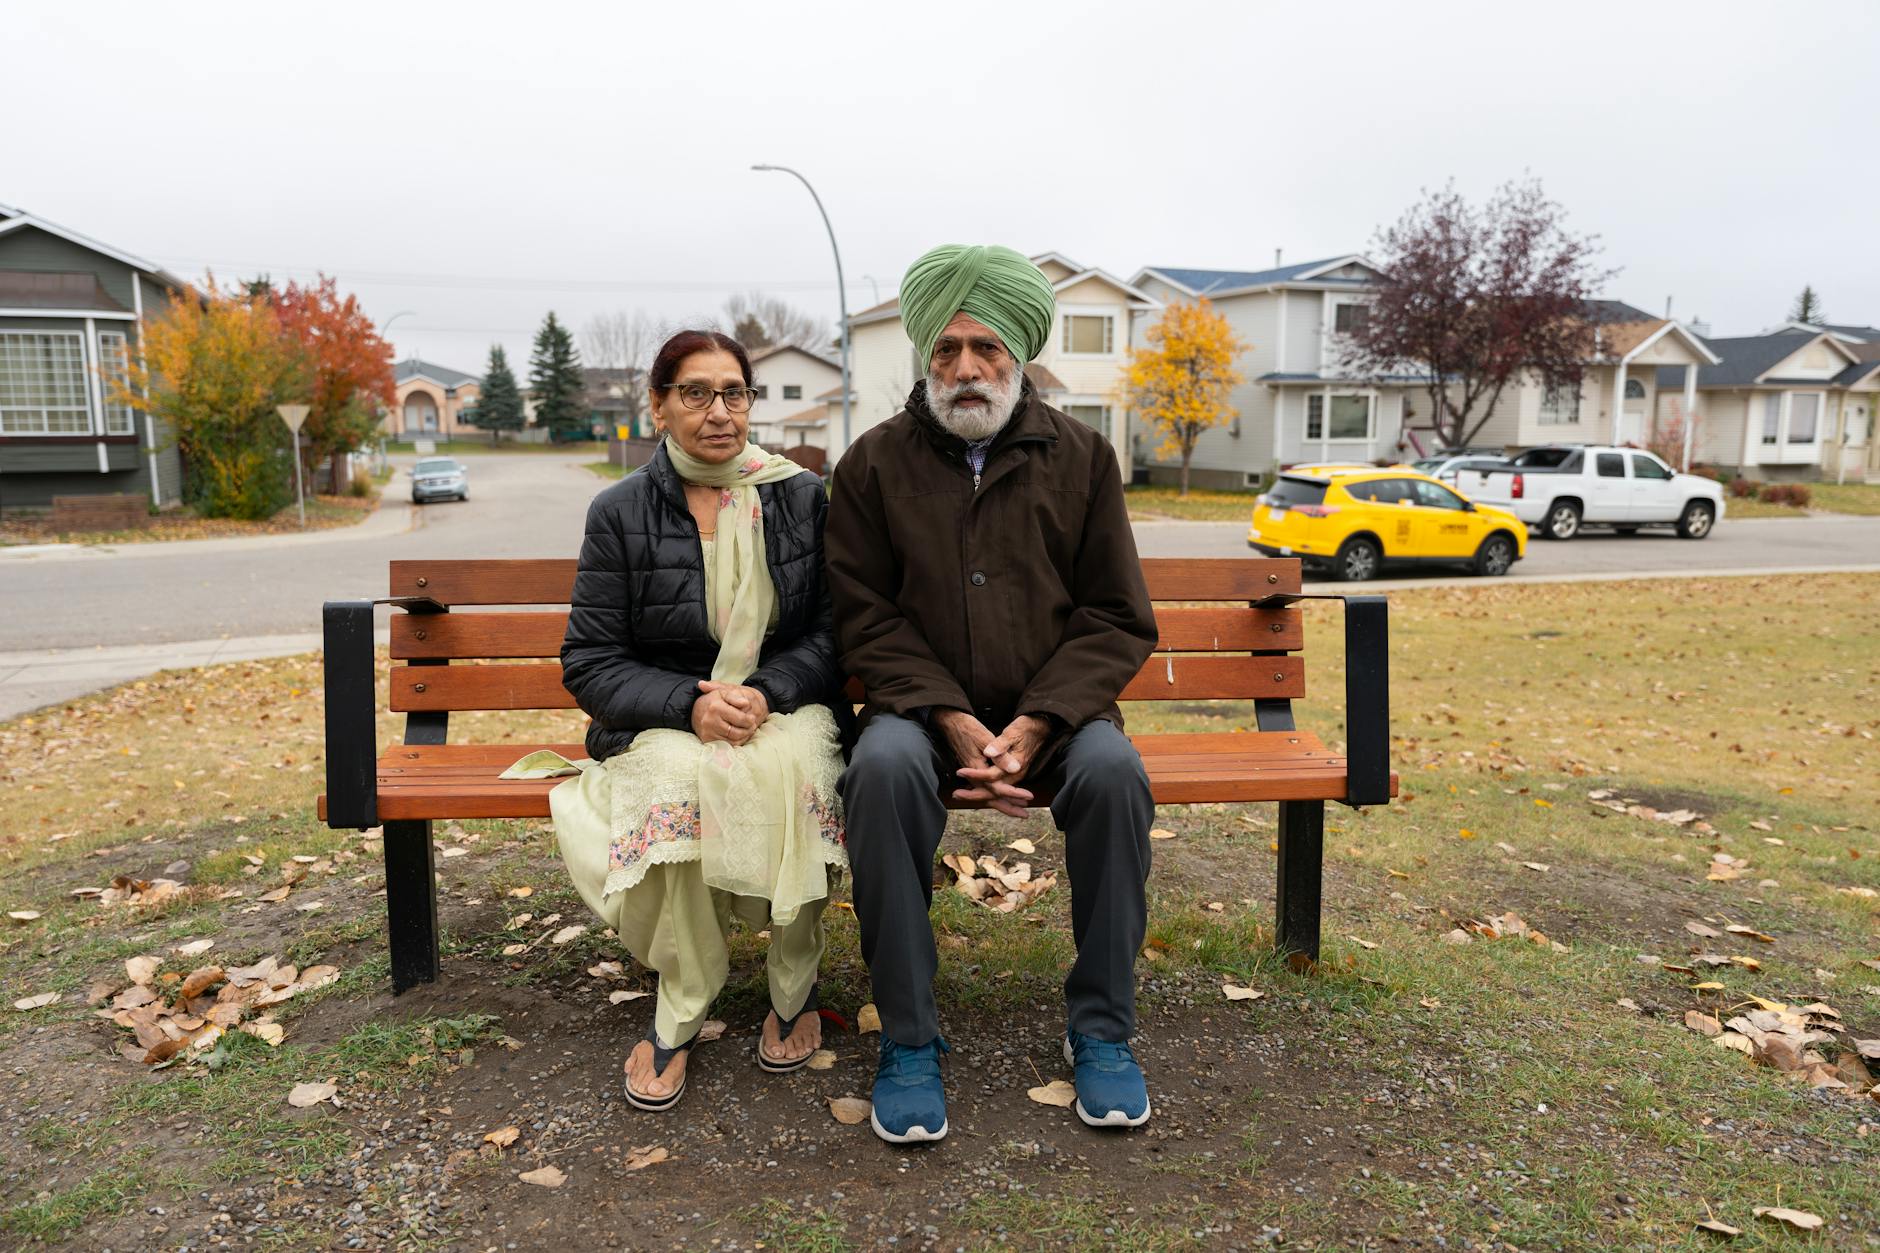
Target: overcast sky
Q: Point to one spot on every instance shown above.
(480, 164)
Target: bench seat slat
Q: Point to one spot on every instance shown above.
(538, 581)
(459, 781)
(1183, 629)
(1167, 676)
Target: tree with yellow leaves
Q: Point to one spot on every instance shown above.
(1179, 384)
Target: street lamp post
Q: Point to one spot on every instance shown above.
(379, 463)
(842, 295)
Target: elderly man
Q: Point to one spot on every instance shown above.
(987, 594)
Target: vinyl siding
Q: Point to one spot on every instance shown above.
(881, 370)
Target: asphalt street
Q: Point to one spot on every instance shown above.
(74, 620)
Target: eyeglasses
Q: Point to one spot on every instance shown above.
(699, 396)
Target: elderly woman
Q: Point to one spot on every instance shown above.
(700, 644)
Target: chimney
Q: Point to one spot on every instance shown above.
(1276, 260)
(1700, 328)
(1667, 308)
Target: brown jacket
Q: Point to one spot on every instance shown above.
(1022, 595)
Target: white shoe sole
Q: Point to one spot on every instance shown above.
(1116, 1117)
(915, 1135)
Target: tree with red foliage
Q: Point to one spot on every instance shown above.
(349, 365)
(1478, 297)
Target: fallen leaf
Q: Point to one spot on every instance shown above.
(1506, 847)
(200, 981)
(1362, 943)
(195, 948)
(270, 1033)
(1801, 1220)
(1702, 1023)
(606, 970)
(521, 892)
(1429, 1002)
(821, 1059)
(624, 995)
(1540, 866)
(1760, 825)
(646, 1155)
(456, 851)
(1234, 992)
(544, 1177)
(510, 950)
(1458, 936)
(1058, 1092)
(276, 896)
(1023, 845)
(1719, 1228)
(1398, 874)
(849, 1110)
(502, 1137)
(1698, 928)
(1751, 932)
(1157, 833)
(141, 969)
(306, 1095)
(710, 1030)
(867, 1019)
(568, 933)
(23, 916)
(39, 1002)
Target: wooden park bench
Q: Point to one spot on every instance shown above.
(1241, 646)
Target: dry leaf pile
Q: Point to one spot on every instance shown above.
(125, 890)
(996, 885)
(1790, 1039)
(175, 1016)
(1607, 798)
(1508, 926)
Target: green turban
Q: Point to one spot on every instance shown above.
(990, 284)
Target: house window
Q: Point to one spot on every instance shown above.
(1804, 417)
(1772, 417)
(42, 383)
(792, 391)
(1097, 417)
(1560, 406)
(1350, 419)
(1350, 319)
(1634, 390)
(114, 370)
(763, 391)
(1089, 334)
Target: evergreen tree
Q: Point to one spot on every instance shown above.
(555, 378)
(1807, 308)
(499, 403)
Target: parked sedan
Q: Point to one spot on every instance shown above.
(439, 478)
(1355, 521)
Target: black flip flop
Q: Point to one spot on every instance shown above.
(662, 1058)
(785, 1027)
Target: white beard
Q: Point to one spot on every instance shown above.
(973, 423)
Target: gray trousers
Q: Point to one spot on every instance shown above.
(892, 798)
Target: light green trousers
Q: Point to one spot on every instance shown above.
(674, 924)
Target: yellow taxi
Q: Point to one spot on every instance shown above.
(1355, 520)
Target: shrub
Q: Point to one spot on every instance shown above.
(1795, 495)
(360, 485)
(1742, 488)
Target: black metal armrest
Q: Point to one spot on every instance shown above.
(352, 750)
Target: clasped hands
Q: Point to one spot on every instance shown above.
(728, 712)
(992, 764)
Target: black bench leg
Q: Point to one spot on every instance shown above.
(411, 903)
(1301, 856)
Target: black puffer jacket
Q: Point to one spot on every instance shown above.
(637, 645)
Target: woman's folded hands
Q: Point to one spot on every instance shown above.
(728, 712)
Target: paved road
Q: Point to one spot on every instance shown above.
(75, 621)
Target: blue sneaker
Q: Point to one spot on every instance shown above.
(1110, 1090)
(910, 1105)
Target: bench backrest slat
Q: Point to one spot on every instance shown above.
(1168, 676)
(550, 580)
(1217, 651)
(538, 633)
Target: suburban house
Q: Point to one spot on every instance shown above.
(1798, 403)
(72, 313)
(609, 389)
(431, 400)
(1080, 371)
(1299, 402)
(790, 382)
(1622, 397)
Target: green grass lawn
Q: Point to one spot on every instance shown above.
(1496, 1093)
(1199, 505)
(606, 469)
(1856, 498)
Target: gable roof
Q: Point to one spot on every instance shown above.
(776, 349)
(1139, 298)
(1623, 341)
(1745, 359)
(891, 307)
(1194, 282)
(1858, 334)
(1615, 311)
(444, 376)
(14, 219)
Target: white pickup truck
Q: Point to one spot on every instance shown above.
(1560, 488)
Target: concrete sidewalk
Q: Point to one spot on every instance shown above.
(392, 517)
(33, 680)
